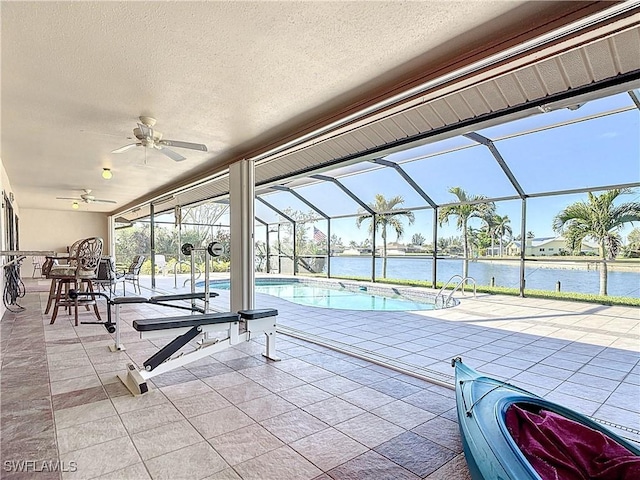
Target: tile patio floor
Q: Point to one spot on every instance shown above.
(317, 414)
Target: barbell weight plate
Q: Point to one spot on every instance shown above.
(186, 249)
(215, 249)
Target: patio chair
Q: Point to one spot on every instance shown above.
(37, 262)
(161, 263)
(107, 276)
(132, 274)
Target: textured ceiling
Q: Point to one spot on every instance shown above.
(236, 76)
(584, 69)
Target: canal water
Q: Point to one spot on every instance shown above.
(577, 279)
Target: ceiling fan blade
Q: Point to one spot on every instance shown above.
(176, 143)
(171, 154)
(70, 198)
(126, 147)
(99, 200)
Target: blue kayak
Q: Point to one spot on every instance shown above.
(488, 439)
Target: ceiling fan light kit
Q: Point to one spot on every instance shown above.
(107, 173)
(75, 205)
(149, 138)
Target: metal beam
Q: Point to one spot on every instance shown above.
(434, 270)
(282, 188)
(152, 233)
(266, 227)
(352, 195)
(523, 243)
(634, 96)
(407, 178)
(293, 224)
(279, 212)
(620, 186)
(476, 137)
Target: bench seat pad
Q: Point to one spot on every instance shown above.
(164, 323)
(258, 313)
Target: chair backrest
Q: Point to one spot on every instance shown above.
(88, 257)
(73, 251)
(47, 265)
(37, 261)
(161, 261)
(136, 265)
(106, 270)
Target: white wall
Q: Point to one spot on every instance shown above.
(57, 229)
(5, 186)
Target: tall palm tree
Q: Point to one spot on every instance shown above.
(473, 236)
(389, 216)
(464, 211)
(502, 228)
(600, 220)
(490, 225)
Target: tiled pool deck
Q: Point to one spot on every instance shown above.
(318, 413)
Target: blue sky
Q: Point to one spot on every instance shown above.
(592, 153)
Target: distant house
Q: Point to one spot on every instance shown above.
(415, 248)
(358, 251)
(547, 247)
(395, 248)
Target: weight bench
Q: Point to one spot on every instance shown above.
(157, 300)
(188, 328)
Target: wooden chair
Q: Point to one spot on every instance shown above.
(81, 271)
(53, 270)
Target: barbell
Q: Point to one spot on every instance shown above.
(215, 249)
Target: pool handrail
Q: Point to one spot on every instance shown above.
(175, 274)
(463, 280)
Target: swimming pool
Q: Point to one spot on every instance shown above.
(338, 295)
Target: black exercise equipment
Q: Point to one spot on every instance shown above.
(189, 328)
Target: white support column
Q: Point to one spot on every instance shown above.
(111, 237)
(241, 198)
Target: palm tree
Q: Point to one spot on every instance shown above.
(417, 239)
(600, 220)
(466, 209)
(502, 228)
(388, 216)
(473, 236)
(490, 224)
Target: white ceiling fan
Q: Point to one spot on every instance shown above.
(86, 197)
(150, 138)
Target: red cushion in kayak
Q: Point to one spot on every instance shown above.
(559, 448)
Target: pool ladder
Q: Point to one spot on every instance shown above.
(440, 295)
(175, 274)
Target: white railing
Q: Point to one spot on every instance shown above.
(191, 279)
(461, 283)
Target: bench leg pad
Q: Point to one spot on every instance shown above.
(134, 381)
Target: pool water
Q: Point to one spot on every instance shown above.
(322, 295)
